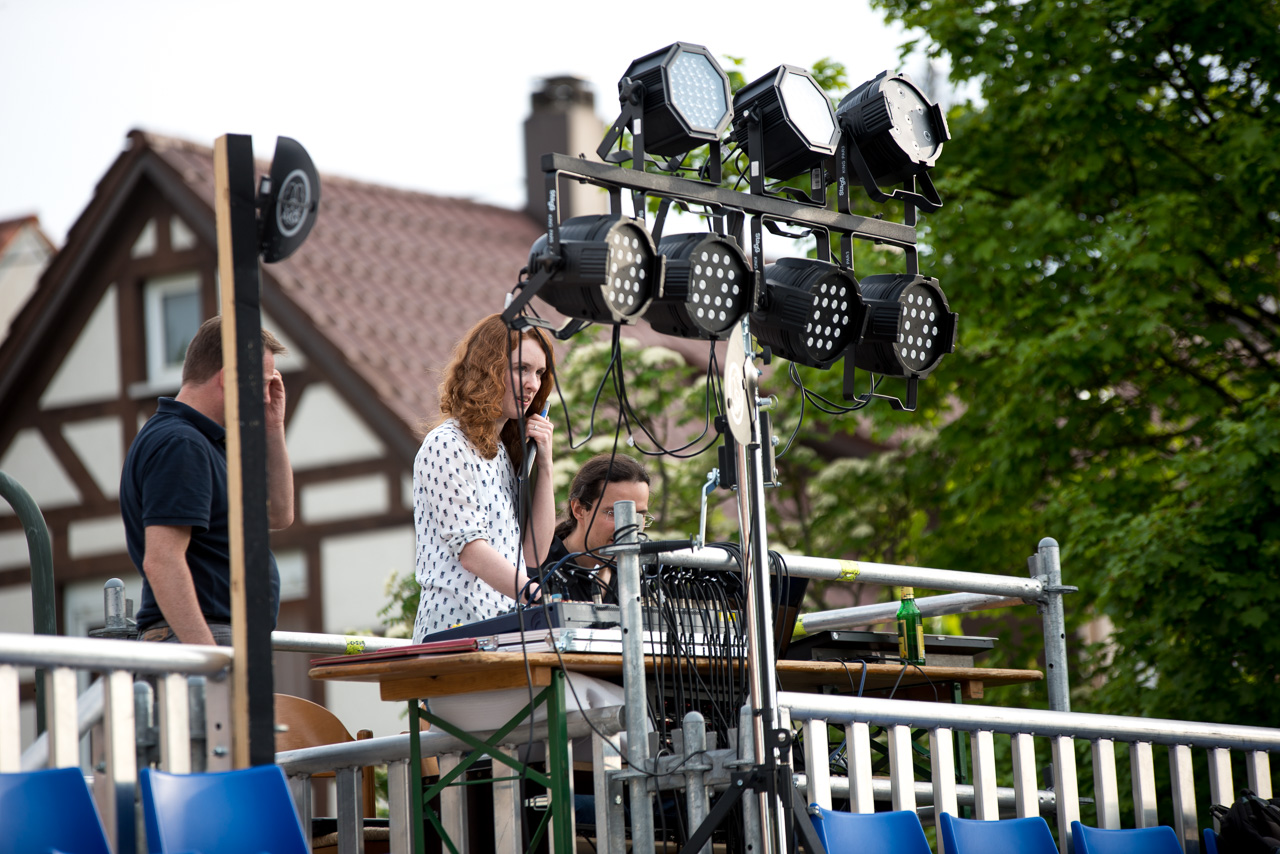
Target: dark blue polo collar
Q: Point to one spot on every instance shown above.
(212, 430)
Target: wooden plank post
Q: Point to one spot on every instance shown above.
(253, 704)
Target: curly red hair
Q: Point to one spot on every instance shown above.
(476, 379)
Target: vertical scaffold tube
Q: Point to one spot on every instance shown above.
(1055, 626)
(760, 657)
(624, 515)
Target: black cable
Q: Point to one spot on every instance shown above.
(905, 666)
(737, 153)
(862, 683)
(624, 404)
(830, 407)
(522, 496)
(595, 403)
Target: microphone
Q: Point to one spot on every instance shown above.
(531, 447)
(648, 547)
(653, 547)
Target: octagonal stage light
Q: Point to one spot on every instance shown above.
(797, 126)
(685, 98)
(707, 286)
(811, 311)
(608, 270)
(895, 132)
(909, 327)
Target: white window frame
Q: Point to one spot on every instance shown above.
(160, 372)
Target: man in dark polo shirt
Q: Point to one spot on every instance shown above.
(173, 497)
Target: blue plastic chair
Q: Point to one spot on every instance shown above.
(869, 833)
(1131, 840)
(49, 810)
(231, 812)
(1210, 841)
(1011, 836)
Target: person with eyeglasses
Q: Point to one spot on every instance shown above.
(589, 525)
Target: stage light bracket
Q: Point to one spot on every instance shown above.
(890, 133)
(659, 123)
(909, 329)
(811, 311)
(918, 191)
(764, 112)
(515, 318)
(708, 286)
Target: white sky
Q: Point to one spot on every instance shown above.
(428, 95)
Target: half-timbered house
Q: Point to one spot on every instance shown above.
(369, 307)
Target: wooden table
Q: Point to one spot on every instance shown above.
(467, 672)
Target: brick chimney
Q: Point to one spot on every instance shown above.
(563, 120)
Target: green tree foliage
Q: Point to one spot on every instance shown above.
(1110, 241)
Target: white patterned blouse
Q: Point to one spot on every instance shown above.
(459, 496)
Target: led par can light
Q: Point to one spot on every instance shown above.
(797, 124)
(811, 311)
(909, 328)
(609, 270)
(899, 131)
(707, 286)
(686, 98)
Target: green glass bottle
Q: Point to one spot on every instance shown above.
(910, 629)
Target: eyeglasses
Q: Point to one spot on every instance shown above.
(646, 520)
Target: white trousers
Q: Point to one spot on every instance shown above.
(488, 710)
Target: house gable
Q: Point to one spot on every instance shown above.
(80, 379)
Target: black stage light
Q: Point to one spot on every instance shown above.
(909, 328)
(685, 98)
(896, 132)
(797, 125)
(811, 311)
(608, 270)
(706, 289)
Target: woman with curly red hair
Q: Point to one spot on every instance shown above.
(472, 559)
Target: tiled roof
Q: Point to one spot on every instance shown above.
(391, 278)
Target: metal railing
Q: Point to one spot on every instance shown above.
(191, 731)
(113, 702)
(857, 714)
(332, 644)
(976, 591)
(169, 666)
(348, 759)
(40, 551)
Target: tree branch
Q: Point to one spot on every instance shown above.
(1200, 378)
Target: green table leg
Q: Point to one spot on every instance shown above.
(415, 773)
(557, 780)
(560, 768)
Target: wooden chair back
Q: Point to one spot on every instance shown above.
(301, 723)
